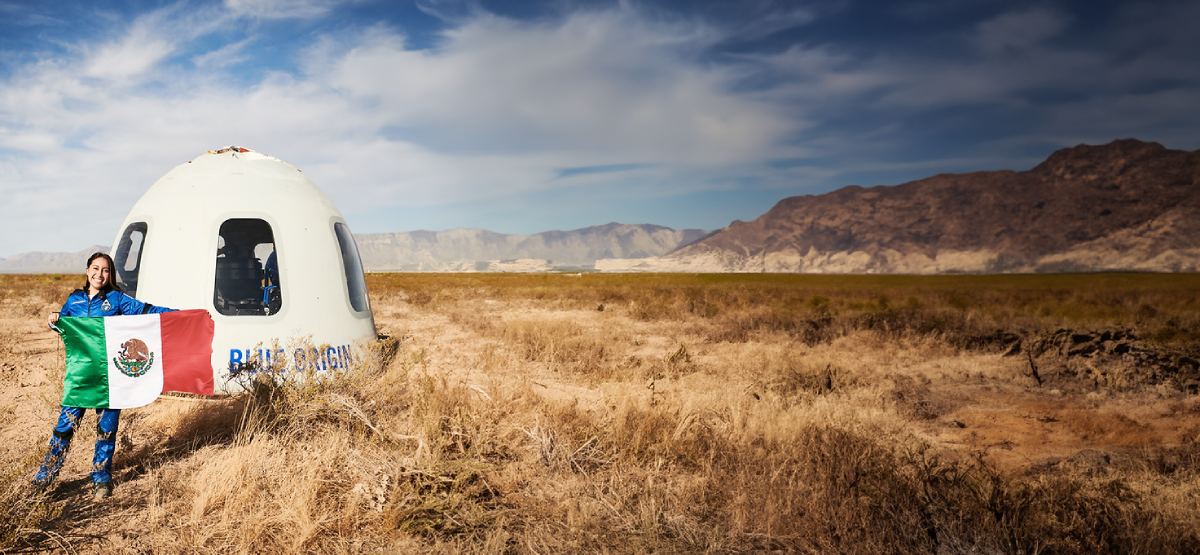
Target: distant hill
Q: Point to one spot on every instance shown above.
(48, 262)
(477, 249)
(456, 249)
(1126, 205)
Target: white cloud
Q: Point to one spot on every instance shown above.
(449, 11)
(766, 17)
(224, 56)
(150, 40)
(28, 141)
(1021, 30)
(996, 62)
(496, 109)
(282, 9)
(132, 55)
(601, 82)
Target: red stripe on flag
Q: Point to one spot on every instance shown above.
(187, 337)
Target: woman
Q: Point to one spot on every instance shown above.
(99, 297)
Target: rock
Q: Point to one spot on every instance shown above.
(1043, 219)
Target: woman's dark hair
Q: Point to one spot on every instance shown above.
(112, 273)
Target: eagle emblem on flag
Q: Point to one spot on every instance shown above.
(135, 358)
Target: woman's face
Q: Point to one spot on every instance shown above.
(98, 273)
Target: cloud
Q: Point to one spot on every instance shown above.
(149, 41)
(224, 56)
(496, 108)
(505, 111)
(27, 14)
(751, 20)
(605, 83)
(132, 55)
(449, 11)
(1010, 61)
(282, 9)
(1020, 30)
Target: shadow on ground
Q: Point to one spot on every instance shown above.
(207, 424)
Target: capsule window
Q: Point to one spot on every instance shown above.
(247, 276)
(129, 256)
(356, 285)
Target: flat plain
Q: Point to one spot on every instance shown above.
(659, 412)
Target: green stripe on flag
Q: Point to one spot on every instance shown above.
(86, 382)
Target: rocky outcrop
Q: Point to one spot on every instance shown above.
(1126, 205)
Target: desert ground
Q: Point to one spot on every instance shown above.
(678, 413)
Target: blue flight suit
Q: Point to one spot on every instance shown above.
(106, 303)
(271, 278)
(271, 269)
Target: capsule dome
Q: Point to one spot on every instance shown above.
(250, 239)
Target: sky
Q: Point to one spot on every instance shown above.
(521, 117)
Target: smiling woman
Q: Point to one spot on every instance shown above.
(99, 297)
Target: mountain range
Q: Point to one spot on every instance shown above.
(457, 250)
(1127, 205)
(48, 262)
(482, 250)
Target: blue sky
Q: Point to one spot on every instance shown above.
(523, 117)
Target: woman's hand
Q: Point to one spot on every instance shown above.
(53, 318)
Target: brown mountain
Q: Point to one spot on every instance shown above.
(1126, 205)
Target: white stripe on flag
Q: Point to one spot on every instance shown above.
(129, 387)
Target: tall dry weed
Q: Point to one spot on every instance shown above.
(826, 488)
(25, 512)
(969, 310)
(370, 459)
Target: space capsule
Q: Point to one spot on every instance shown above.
(249, 238)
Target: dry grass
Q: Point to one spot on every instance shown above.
(1161, 307)
(666, 413)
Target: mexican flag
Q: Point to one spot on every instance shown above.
(122, 362)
